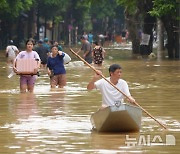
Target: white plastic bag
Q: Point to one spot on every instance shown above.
(66, 58)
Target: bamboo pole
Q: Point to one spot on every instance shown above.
(116, 88)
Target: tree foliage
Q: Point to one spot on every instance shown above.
(163, 7)
(97, 15)
(130, 5)
(51, 8)
(13, 8)
(101, 9)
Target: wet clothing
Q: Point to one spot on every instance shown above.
(111, 96)
(58, 80)
(56, 64)
(98, 55)
(27, 79)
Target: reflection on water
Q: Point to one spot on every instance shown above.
(58, 120)
(27, 105)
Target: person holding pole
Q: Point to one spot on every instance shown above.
(110, 95)
(113, 80)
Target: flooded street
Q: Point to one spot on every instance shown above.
(58, 121)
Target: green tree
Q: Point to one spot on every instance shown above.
(13, 8)
(107, 17)
(167, 11)
(148, 11)
(133, 17)
(52, 10)
(76, 15)
(10, 11)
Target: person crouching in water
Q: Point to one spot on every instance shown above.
(56, 69)
(98, 54)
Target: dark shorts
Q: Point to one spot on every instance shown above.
(58, 80)
(89, 60)
(27, 79)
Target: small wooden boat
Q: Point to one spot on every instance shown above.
(122, 118)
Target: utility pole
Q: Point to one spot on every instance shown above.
(76, 35)
(178, 29)
(160, 38)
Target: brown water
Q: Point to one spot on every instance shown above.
(58, 121)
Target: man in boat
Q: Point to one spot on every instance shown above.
(110, 95)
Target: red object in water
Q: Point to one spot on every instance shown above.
(26, 66)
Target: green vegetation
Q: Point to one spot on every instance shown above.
(22, 19)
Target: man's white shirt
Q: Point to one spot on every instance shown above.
(110, 95)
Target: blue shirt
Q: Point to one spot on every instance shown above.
(47, 46)
(56, 64)
(90, 38)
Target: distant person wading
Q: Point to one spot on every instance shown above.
(98, 54)
(11, 52)
(43, 53)
(87, 49)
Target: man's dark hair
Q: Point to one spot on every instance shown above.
(114, 67)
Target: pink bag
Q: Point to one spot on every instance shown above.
(26, 66)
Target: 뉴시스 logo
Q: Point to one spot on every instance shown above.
(148, 140)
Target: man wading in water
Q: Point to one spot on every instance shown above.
(87, 48)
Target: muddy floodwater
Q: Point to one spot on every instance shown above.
(58, 120)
